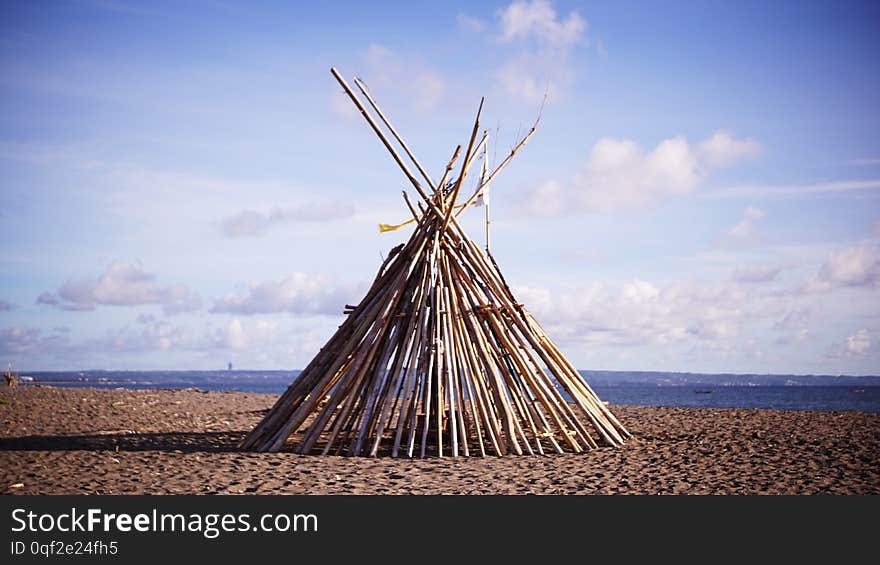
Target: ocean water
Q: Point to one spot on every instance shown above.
(824, 398)
(781, 392)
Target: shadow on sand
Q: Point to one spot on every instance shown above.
(213, 442)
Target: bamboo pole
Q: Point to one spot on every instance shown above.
(380, 381)
(438, 353)
(489, 287)
(365, 91)
(583, 401)
(399, 369)
(461, 177)
(305, 408)
(421, 380)
(386, 377)
(412, 179)
(460, 423)
(334, 352)
(379, 336)
(476, 373)
(501, 166)
(415, 359)
(490, 363)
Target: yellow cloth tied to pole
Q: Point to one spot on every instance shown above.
(388, 227)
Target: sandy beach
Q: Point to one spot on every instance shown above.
(91, 441)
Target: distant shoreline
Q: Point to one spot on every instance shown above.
(593, 376)
(817, 397)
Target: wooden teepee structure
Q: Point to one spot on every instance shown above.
(438, 358)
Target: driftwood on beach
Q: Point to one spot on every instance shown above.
(438, 358)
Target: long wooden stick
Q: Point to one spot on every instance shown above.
(501, 166)
(388, 146)
(461, 177)
(365, 91)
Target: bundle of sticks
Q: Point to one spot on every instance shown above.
(438, 358)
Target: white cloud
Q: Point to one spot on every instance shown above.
(639, 292)
(251, 223)
(744, 232)
(548, 199)
(151, 335)
(122, 284)
(703, 315)
(235, 337)
(239, 336)
(406, 80)
(148, 335)
(517, 81)
(755, 274)
(855, 266)
(542, 66)
(858, 343)
(537, 20)
(24, 340)
(687, 320)
(255, 341)
(619, 174)
(722, 149)
(469, 23)
(532, 76)
(794, 326)
(297, 293)
(18, 339)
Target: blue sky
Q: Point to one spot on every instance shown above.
(183, 184)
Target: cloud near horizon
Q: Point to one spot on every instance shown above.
(855, 266)
(688, 319)
(121, 284)
(251, 223)
(619, 174)
(25, 340)
(709, 316)
(298, 293)
(146, 335)
(858, 343)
